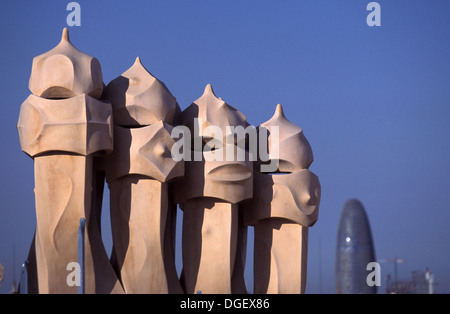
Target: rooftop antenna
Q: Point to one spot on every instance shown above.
(81, 255)
(429, 277)
(320, 264)
(14, 286)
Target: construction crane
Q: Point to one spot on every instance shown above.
(396, 261)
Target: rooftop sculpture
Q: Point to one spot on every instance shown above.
(81, 132)
(64, 126)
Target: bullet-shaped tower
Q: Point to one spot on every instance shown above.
(354, 250)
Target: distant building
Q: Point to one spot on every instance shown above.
(354, 250)
(421, 283)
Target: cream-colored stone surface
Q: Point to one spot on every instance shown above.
(63, 135)
(230, 181)
(294, 150)
(280, 257)
(64, 194)
(210, 230)
(211, 110)
(294, 196)
(209, 194)
(79, 125)
(285, 203)
(139, 98)
(65, 72)
(138, 221)
(138, 173)
(80, 133)
(64, 191)
(145, 151)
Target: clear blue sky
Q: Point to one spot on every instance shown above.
(374, 103)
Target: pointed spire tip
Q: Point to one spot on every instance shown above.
(65, 35)
(209, 88)
(279, 111)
